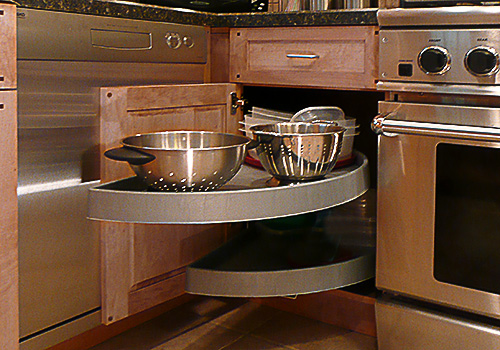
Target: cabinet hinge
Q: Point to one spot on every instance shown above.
(236, 102)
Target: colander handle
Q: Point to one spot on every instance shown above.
(252, 144)
(130, 155)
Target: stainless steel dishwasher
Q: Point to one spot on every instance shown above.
(62, 60)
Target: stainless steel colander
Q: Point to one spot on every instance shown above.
(298, 151)
(183, 161)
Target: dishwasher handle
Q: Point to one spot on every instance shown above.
(125, 40)
(383, 125)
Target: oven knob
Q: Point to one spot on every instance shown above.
(434, 60)
(482, 61)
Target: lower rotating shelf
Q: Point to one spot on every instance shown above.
(265, 265)
(250, 195)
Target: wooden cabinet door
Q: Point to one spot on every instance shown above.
(143, 265)
(340, 57)
(9, 312)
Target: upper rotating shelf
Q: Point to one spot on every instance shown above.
(248, 196)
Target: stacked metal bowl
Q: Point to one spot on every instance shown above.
(259, 116)
(335, 115)
(298, 151)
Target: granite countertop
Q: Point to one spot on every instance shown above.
(126, 9)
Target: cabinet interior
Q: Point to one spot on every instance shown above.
(361, 105)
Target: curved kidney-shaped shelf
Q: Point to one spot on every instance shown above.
(248, 196)
(263, 265)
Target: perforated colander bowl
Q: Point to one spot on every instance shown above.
(182, 161)
(298, 151)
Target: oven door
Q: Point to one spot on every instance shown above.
(438, 221)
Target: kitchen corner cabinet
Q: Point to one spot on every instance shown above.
(9, 314)
(340, 57)
(148, 261)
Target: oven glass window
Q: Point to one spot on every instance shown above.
(467, 222)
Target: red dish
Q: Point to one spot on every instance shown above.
(341, 163)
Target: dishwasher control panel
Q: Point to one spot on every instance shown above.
(107, 39)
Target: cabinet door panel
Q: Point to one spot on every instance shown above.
(160, 249)
(143, 265)
(200, 118)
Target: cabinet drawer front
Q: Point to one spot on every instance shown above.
(334, 57)
(7, 46)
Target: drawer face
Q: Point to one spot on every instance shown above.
(7, 46)
(407, 326)
(318, 56)
(333, 57)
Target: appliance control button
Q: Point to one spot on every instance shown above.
(405, 69)
(188, 41)
(482, 61)
(173, 40)
(434, 60)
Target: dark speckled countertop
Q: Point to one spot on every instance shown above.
(125, 9)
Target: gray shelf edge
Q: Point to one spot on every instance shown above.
(226, 206)
(279, 283)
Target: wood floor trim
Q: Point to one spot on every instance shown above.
(102, 333)
(340, 308)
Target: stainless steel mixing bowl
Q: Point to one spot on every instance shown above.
(183, 161)
(298, 151)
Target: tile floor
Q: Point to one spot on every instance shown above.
(235, 324)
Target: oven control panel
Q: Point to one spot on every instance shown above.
(452, 56)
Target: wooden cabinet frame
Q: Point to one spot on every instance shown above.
(141, 264)
(126, 288)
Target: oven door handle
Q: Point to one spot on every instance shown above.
(382, 125)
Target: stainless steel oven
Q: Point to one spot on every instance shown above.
(439, 204)
(438, 211)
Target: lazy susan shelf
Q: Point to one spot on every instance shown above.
(262, 265)
(249, 196)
